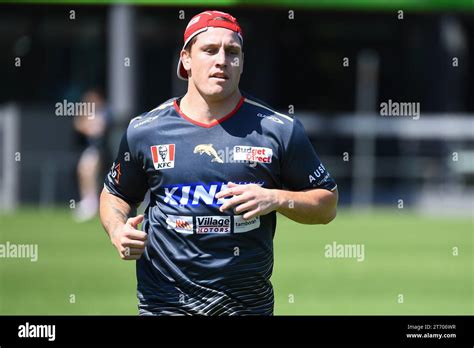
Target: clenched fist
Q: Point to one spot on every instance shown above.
(129, 241)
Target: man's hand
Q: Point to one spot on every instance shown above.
(252, 199)
(129, 241)
(313, 206)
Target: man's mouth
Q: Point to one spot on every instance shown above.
(220, 76)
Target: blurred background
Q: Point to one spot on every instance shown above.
(405, 182)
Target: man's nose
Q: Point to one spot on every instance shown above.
(221, 57)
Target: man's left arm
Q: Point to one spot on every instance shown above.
(314, 206)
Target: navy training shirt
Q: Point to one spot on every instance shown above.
(198, 260)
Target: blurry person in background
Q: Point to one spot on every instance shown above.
(93, 128)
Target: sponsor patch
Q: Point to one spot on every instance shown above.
(209, 150)
(116, 173)
(181, 224)
(213, 224)
(253, 154)
(163, 156)
(196, 194)
(320, 175)
(241, 225)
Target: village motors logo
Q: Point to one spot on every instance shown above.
(163, 156)
(213, 224)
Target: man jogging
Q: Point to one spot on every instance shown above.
(219, 166)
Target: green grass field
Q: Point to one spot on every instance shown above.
(404, 254)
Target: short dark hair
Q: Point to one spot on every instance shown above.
(190, 44)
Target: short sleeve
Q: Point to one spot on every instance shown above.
(127, 178)
(301, 168)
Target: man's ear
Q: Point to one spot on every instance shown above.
(186, 59)
(242, 64)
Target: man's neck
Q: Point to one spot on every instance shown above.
(195, 106)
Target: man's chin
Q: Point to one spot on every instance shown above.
(218, 93)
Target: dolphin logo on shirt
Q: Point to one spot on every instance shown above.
(208, 149)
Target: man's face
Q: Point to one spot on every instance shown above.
(216, 62)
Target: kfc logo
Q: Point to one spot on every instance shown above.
(163, 156)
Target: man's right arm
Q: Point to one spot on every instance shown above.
(122, 229)
(124, 188)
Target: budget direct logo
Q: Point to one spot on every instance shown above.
(253, 154)
(163, 156)
(213, 224)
